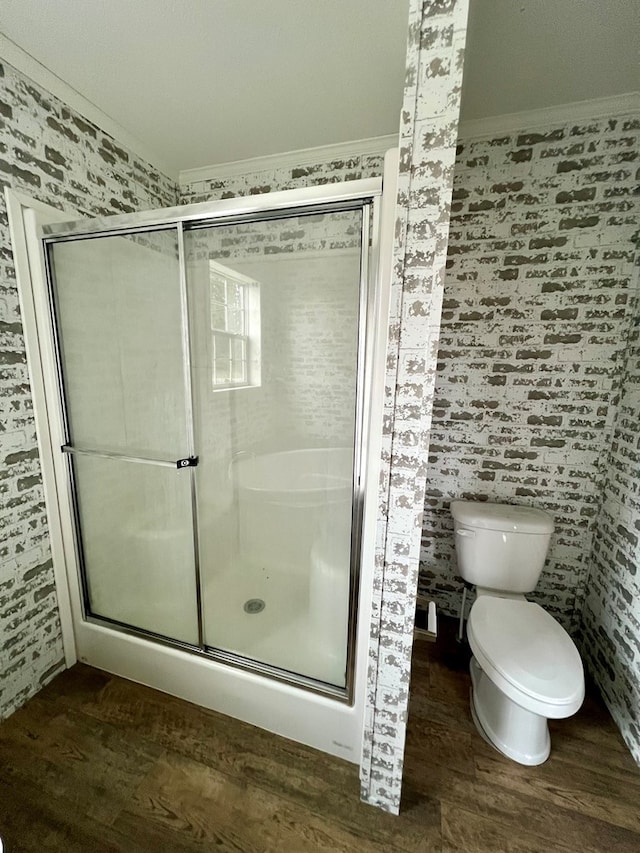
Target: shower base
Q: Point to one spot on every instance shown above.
(295, 631)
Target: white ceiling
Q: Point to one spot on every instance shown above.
(528, 54)
(211, 81)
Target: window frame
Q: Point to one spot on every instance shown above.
(248, 337)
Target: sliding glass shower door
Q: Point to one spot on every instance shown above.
(211, 372)
(275, 312)
(120, 331)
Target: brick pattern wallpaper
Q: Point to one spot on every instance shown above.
(535, 317)
(275, 179)
(611, 614)
(428, 133)
(53, 154)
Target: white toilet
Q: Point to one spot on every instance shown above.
(525, 667)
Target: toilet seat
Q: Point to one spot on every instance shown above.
(527, 654)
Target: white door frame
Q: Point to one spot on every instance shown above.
(25, 215)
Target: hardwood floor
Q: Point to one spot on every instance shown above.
(95, 763)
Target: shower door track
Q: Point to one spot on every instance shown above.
(227, 658)
(324, 199)
(357, 195)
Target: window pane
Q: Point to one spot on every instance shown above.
(218, 289)
(235, 321)
(239, 371)
(234, 295)
(221, 348)
(238, 349)
(218, 318)
(221, 371)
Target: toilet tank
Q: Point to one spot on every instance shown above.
(499, 546)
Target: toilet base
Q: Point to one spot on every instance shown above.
(515, 732)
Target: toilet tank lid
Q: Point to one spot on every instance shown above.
(506, 517)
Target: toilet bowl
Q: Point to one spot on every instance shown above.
(525, 667)
(525, 670)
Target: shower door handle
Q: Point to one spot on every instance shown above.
(187, 462)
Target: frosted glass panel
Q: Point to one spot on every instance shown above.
(274, 331)
(137, 536)
(276, 470)
(119, 323)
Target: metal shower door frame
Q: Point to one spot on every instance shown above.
(363, 195)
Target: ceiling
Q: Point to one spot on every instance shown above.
(211, 81)
(528, 54)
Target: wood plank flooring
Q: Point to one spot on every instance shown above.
(95, 763)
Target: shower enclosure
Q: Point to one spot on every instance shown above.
(214, 370)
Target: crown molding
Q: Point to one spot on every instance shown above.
(376, 145)
(476, 128)
(23, 62)
(560, 114)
